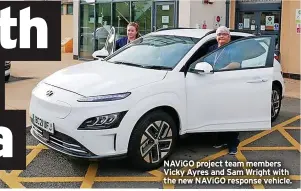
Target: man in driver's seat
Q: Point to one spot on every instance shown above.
(226, 58)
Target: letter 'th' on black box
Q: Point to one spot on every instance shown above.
(13, 140)
(30, 30)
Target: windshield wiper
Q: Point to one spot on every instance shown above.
(158, 67)
(142, 66)
(129, 64)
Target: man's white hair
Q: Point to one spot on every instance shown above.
(222, 29)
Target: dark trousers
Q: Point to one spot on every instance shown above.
(230, 138)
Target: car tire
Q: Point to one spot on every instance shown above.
(148, 148)
(275, 102)
(7, 78)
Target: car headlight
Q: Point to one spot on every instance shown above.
(108, 121)
(102, 98)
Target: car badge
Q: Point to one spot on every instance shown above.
(49, 93)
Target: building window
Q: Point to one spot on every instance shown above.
(98, 16)
(103, 23)
(69, 9)
(121, 17)
(87, 21)
(87, 1)
(62, 9)
(142, 14)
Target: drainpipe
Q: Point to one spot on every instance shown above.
(227, 12)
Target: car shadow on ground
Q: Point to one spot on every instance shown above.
(13, 79)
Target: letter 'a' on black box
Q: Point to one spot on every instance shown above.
(30, 30)
(13, 140)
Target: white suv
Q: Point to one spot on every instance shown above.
(141, 98)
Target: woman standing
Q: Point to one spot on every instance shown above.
(132, 34)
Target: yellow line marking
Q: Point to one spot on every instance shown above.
(160, 176)
(292, 128)
(243, 143)
(290, 139)
(210, 157)
(260, 135)
(31, 147)
(243, 159)
(90, 176)
(168, 186)
(50, 179)
(14, 182)
(266, 148)
(29, 158)
(9, 180)
(294, 177)
(185, 169)
(36, 147)
(247, 141)
(127, 179)
(157, 173)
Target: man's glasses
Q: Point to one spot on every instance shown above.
(222, 34)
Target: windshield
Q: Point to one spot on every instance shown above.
(161, 51)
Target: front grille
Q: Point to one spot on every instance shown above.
(65, 143)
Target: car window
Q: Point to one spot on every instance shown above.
(259, 60)
(155, 50)
(247, 53)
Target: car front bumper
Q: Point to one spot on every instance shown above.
(67, 115)
(62, 143)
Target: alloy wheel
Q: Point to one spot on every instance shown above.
(275, 103)
(156, 141)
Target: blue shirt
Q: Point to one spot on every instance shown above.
(121, 42)
(223, 57)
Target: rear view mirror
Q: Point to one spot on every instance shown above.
(203, 68)
(100, 53)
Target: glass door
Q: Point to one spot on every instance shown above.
(270, 22)
(86, 31)
(260, 23)
(103, 24)
(142, 14)
(164, 16)
(121, 18)
(248, 22)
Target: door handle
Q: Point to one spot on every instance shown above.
(259, 80)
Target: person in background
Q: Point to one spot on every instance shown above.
(132, 34)
(228, 60)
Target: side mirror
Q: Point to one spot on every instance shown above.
(100, 53)
(203, 68)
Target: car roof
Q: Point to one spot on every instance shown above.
(194, 32)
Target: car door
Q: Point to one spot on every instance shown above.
(111, 41)
(109, 47)
(236, 99)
